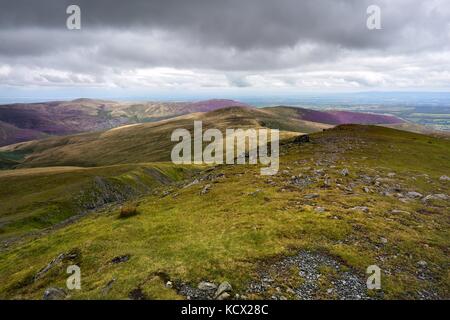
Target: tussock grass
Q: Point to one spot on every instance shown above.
(128, 210)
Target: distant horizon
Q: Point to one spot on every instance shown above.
(419, 98)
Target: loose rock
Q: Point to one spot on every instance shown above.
(360, 208)
(223, 296)
(120, 259)
(414, 195)
(204, 285)
(312, 196)
(224, 287)
(54, 294)
(206, 189)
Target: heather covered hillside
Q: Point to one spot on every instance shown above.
(335, 117)
(24, 122)
(10, 134)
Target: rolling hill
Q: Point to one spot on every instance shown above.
(151, 141)
(352, 197)
(23, 122)
(145, 142)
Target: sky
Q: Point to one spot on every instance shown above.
(222, 47)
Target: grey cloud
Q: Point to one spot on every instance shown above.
(239, 24)
(235, 38)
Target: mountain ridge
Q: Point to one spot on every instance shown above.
(57, 118)
(86, 115)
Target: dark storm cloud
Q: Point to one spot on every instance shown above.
(240, 24)
(223, 35)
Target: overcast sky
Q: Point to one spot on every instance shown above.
(140, 46)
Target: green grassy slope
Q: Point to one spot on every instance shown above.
(245, 221)
(33, 199)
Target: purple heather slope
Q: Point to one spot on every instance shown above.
(346, 117)
(28, 121)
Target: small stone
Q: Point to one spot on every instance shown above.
(348, 189)
(204, 285)
(169, 284)
(360, 208)
(223, 296)
(414, 195)
(319, 209)
(422, 263)
(391, 174)
(345, 172)
(444, 178)
(289, 290)
(438, 196)
(224, 287)
(120, 259)
(54, 294)
(311, 196)
(366, 189)
(383, 240)
(206, 189)
(330, 291)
